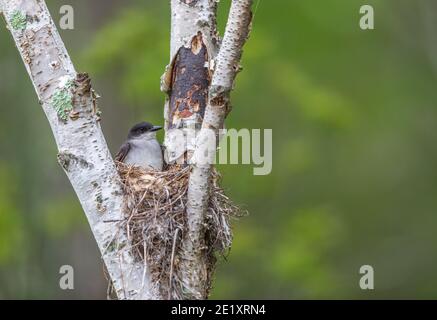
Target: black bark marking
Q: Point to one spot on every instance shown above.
(190, 82)
(191, 3)
(83, 83)
(66, 160)
(85, 100)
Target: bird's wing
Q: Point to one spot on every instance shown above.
(122, 153)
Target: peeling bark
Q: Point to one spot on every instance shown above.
(70, 106)
(189, 85)
(194, 43)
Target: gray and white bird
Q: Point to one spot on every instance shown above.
(141, 147)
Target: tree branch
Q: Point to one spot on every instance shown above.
(194, 44)
(227, 65)
(70, 106)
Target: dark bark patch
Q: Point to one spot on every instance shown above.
(218, 101)
(84, 98)
(190, 82)
(66, 160)
(191, 3)
(83, 84)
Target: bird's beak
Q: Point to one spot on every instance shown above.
(155, 128)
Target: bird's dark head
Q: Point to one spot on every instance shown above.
(143, 129)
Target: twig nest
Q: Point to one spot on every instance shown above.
(156, 221)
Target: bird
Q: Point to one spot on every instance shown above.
(141, 148)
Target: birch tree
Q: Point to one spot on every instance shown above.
(71, 109)
(198, 82)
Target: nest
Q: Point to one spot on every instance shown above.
(156, 222)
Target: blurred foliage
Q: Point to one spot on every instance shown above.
(353, 118)
(303, 242)
(11, 234)
(135, 48)
(68, 208)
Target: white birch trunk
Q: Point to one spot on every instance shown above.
(187, 21)
(227, 65)
(70, 106)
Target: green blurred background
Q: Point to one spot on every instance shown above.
(354, 177)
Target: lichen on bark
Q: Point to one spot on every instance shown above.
(18, 20)
(62, 100)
